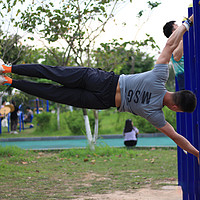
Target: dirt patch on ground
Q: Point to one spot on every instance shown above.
(164, 193)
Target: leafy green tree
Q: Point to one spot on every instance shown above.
(125, 57)
(13, 51)
(170, 85)
(75, 24)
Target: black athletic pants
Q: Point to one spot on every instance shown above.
(78, 86)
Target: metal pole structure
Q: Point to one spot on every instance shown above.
(47, 107)
(196, 11)
(37, 105)
(188, 124)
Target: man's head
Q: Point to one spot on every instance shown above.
(169, 28)
(28, 108)
(185, 101)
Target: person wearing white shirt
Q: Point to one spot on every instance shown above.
(130, 134)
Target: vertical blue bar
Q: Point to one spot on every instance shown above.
(47, 102)
(193, 78)
(21, 122)
(184, 156)
(183, 130)
(37, 105)
(8, 122)
(188, 45)
(22, 119)
(196, 11)
(179, 150)
(185, 195)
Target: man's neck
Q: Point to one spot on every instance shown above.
(167, 100)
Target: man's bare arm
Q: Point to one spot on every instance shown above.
(178, 52)
(179, 139)
(172, 44)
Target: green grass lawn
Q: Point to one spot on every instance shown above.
(23, 133)
(68, 174)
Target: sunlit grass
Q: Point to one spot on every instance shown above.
(70, 173)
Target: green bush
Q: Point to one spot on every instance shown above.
(113, 122)
(170, 116)
(75, 122)
(143, 125)
(43, 121)
(71, 123)
(110, 122)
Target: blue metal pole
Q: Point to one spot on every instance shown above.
(22, 118)
(47, 102)
(179, 150)
(37, 105)
(196, 11)
(193, 78)
(188, 54)
(8, 122)
(20, 121)
(183, 130)
(184, 156)
(188, 124)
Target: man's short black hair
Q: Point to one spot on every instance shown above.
(185, 100)
(168, 28)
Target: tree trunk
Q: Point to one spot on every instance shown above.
(88, 129)
(58, 116)
(96, 126)
(1, 98)
(132, 64)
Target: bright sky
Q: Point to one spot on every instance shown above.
(167, 11)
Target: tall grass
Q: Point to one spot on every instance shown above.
(11, 151)
(99, 151)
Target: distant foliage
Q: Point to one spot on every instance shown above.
(125, 57)
(43, 120)
(75, 122)
(110, 122)
(118, 121)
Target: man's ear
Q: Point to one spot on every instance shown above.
(175, 106)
